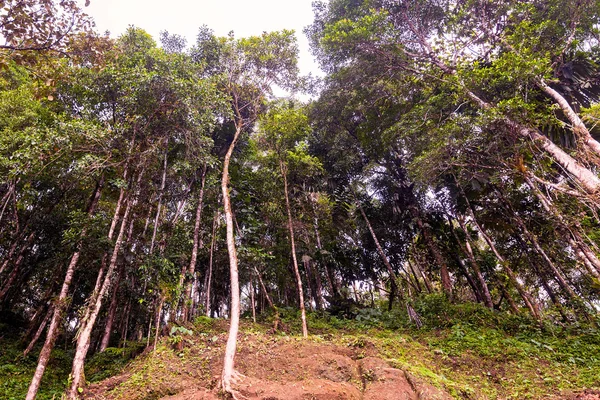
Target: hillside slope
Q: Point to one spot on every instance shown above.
(348, 363)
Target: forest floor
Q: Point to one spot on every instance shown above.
(357, 363)
(480, 355)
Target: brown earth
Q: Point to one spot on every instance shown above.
(271, 368)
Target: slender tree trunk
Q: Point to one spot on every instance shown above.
(39, 332)
(61, 302)
(384, 258)
(161, 302)
(208, 284)
(84, 334)
(16, 267)
(198, 244)
(582, 251)
(314, 282)
(11, 252)
(426, 280)
(283, 169)
(487, 297)
(159, 207)
(504, 264)
(228, 363)
(434, 251)
(252, 303)
(578, 127)
(561, 279)
(112, 309)
(269, 300)
(124, 326)
(415, 277)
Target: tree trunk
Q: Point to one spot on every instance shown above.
(283, 169)
(38, 333)
(161, 302)
(582, 251)
(198, 244)
(269, 300)
(487, 297)
(228, 362)
(587, 178)
(61, 302)
(158, 208)
(112, 309)
(434, 251)
(84, 334)
(16, 267)
(502, 262)
(578, 127)
(252, 303)
(384, 258)
(426, 280)
(208, 284)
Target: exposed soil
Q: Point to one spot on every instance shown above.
(271, 368)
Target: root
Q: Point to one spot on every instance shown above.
(236, 377)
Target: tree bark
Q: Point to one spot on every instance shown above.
(384, 258)
(112, 309)
(283, 169)
(84, 334)
(198, 244)
(227, 375)
(60, 304)
(208, 285)
(487, 297)
(504, 264)
(158, 208)
(39, 332)
(578, 127)
(16, 267)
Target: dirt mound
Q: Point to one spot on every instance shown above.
(271, 368)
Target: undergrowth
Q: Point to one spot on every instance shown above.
(470, 351)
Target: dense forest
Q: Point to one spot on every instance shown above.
(450, 150)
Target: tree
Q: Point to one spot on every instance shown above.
(249, 68)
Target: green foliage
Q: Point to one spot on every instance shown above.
(111, 361)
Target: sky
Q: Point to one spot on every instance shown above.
(184, 17)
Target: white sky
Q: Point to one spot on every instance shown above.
(184, 17)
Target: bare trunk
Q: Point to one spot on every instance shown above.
(16, 267)
(9, 256)
(158, 208)
(208, 284)
(161, 302)
(587, 178)
(504, 264)
(198, 243)
(426, 280)
(283, 169)
(582, 251)
(383, 256)
(487, 297)
(269, 300)
(112, 309)
(234, 323)
(252, 303)
(415, 277)
(434, 251)
(61, 303)
(84, 334)
(38, 333)
(578, 127)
